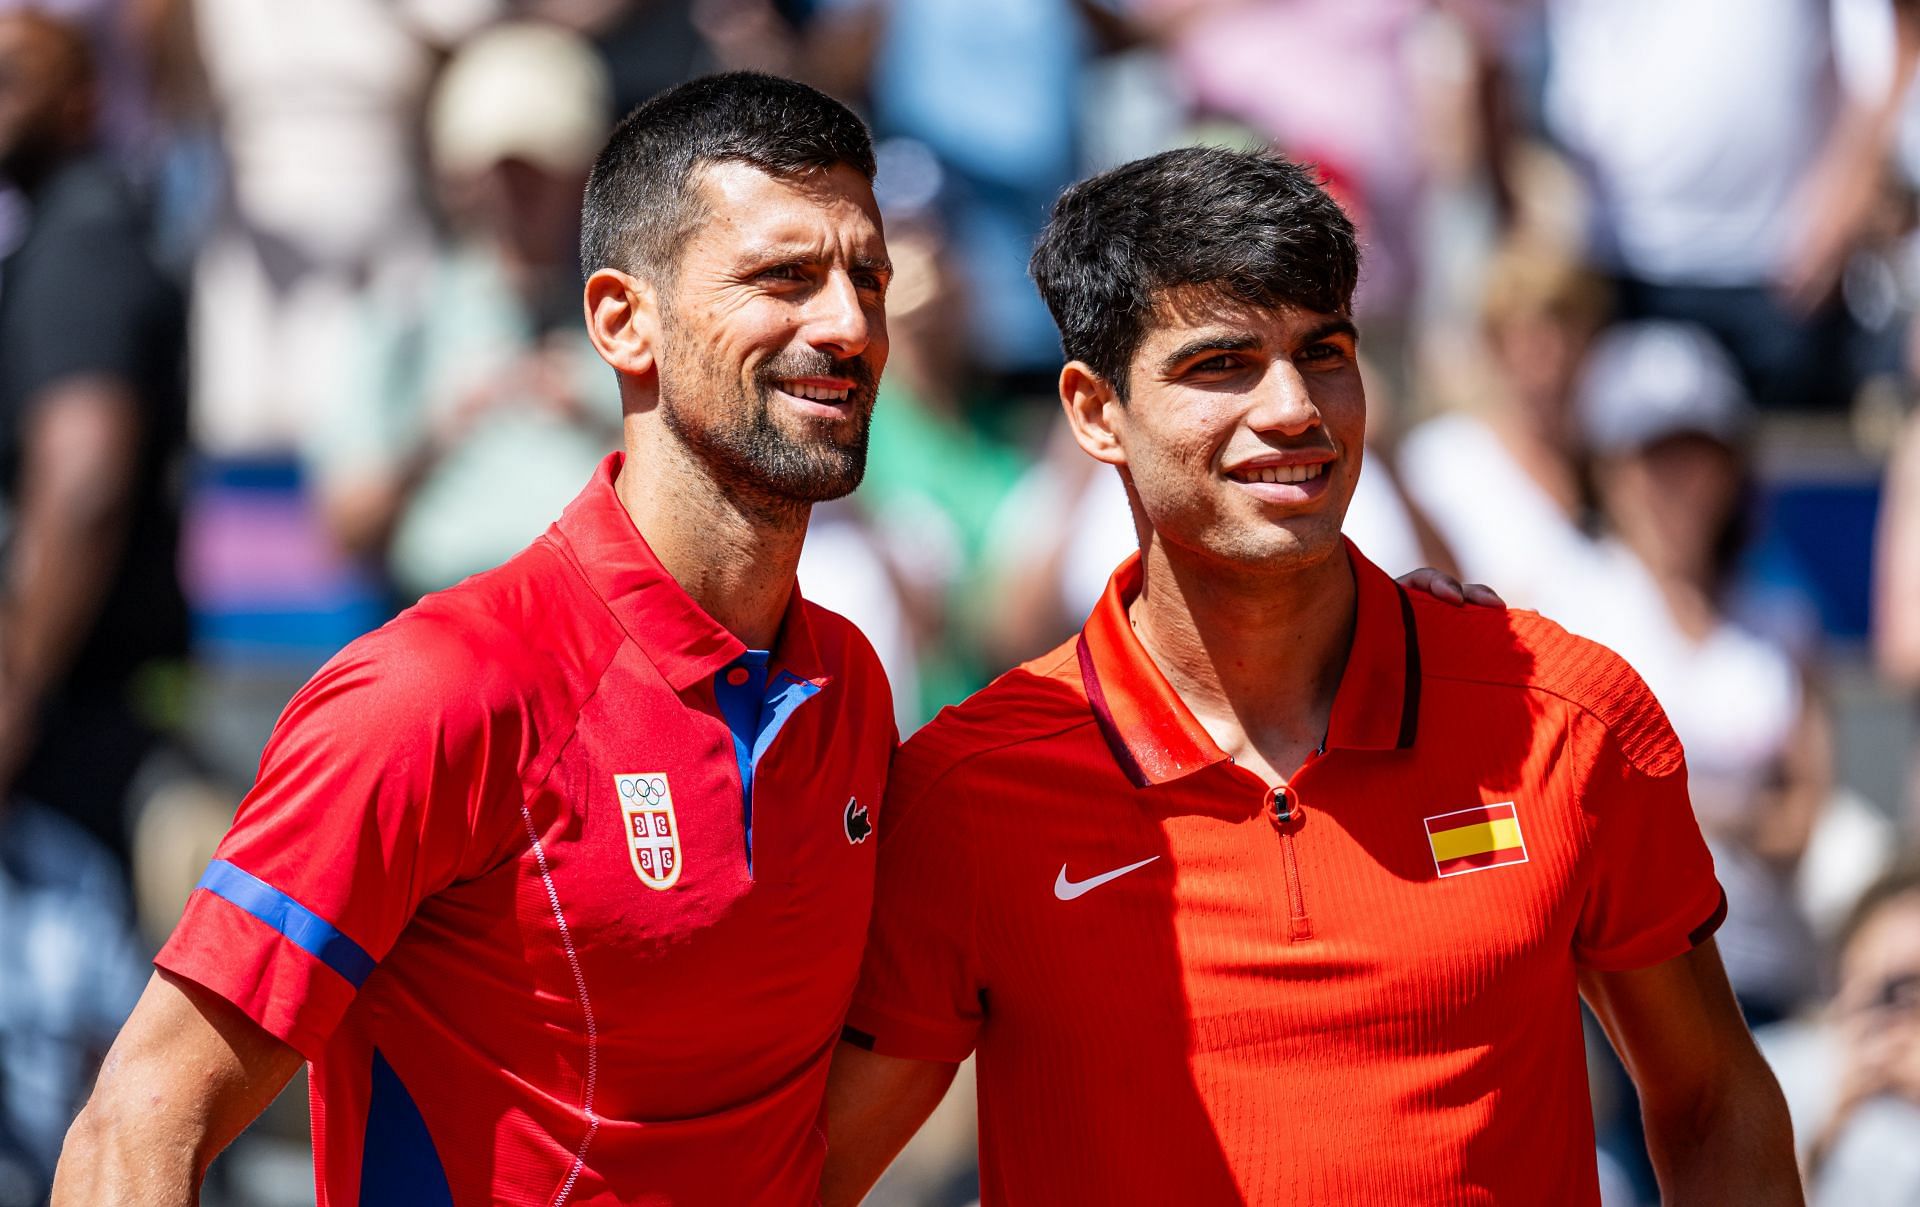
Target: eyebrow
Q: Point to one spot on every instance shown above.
(1331, 328)
(1244, 341)
(781, 252)
(1207, 343)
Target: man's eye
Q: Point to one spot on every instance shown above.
(783, 272)
(1323, 352)
(1215, 364)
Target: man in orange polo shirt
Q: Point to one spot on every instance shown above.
(1278, 884)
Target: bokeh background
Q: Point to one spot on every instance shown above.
(1639, 324)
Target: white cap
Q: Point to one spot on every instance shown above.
(1646, 381)
(520, 90)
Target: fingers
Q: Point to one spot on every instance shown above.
(1483, 595)
(1443, 587)
(1448, 589)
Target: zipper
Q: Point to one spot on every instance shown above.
(1283, 810)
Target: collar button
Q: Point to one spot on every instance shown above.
(737, 676)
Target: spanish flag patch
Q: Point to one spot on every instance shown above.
(1471, 840)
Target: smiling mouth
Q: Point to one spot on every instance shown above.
(814, 393)
(1279, 473)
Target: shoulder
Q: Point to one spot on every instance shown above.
(1027, 705)
(523, 643)
(87, 211)
(1526, 652)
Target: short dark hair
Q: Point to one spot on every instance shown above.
(1253, 223)
(638, 204)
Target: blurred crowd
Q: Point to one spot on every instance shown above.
(290, 336)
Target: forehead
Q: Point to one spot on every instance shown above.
(1891, 935)
(748, 212)
(1183, 313)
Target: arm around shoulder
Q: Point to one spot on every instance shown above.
(1716, 1122)
(187, 1074)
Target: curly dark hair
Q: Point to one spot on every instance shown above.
(1254, 224)
(638, 206)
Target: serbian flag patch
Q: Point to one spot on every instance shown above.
(1472, 840)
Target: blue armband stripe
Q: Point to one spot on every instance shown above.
(302, 927)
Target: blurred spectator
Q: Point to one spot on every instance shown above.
(939, 464)
(1731, 176)
(479, 371)
(123, 38)
(1666, 419)
(992, 87)
(845, 567)
(1852, 1074)
(317, 108)
(91, 438)
(1896, 577)
(1502, 482)
(70, 971)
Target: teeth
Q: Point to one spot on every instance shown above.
(814, 393)
(1282, 473)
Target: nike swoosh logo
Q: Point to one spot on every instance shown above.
(1067, 890)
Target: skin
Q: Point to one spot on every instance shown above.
(786, 272)
(1247, 608)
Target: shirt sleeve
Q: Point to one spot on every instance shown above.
(99, 307)
(389, 776)
(920, 987)
(1651, 894)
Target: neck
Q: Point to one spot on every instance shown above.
(737, 562)
(1257, 656)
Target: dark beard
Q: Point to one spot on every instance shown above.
(766, 469)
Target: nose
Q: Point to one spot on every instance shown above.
(1283, 404)
(836, 322)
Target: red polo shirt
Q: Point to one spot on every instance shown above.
(560, 890)
(1184, 990)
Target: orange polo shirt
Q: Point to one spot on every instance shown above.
(1185, 988)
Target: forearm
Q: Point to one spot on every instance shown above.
(1734, 1148)
(75, 506)
(61, 570)
(109, 1158)
(187, 1074)
(874, 1106)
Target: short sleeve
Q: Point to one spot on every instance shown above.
(1651, 894)
(389, 776)
(93, 304)
(920, 987)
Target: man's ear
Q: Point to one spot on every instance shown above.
(623, 320)
(1093, 407)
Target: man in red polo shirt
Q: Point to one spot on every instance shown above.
(1277, 884)
(560, 880)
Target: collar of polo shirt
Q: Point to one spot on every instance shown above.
(684, 643)
(1156, 738)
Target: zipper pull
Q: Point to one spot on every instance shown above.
(1281, 807)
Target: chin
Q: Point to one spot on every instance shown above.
(1282, 549)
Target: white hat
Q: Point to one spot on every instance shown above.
(524, 91)
(1645, 381)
